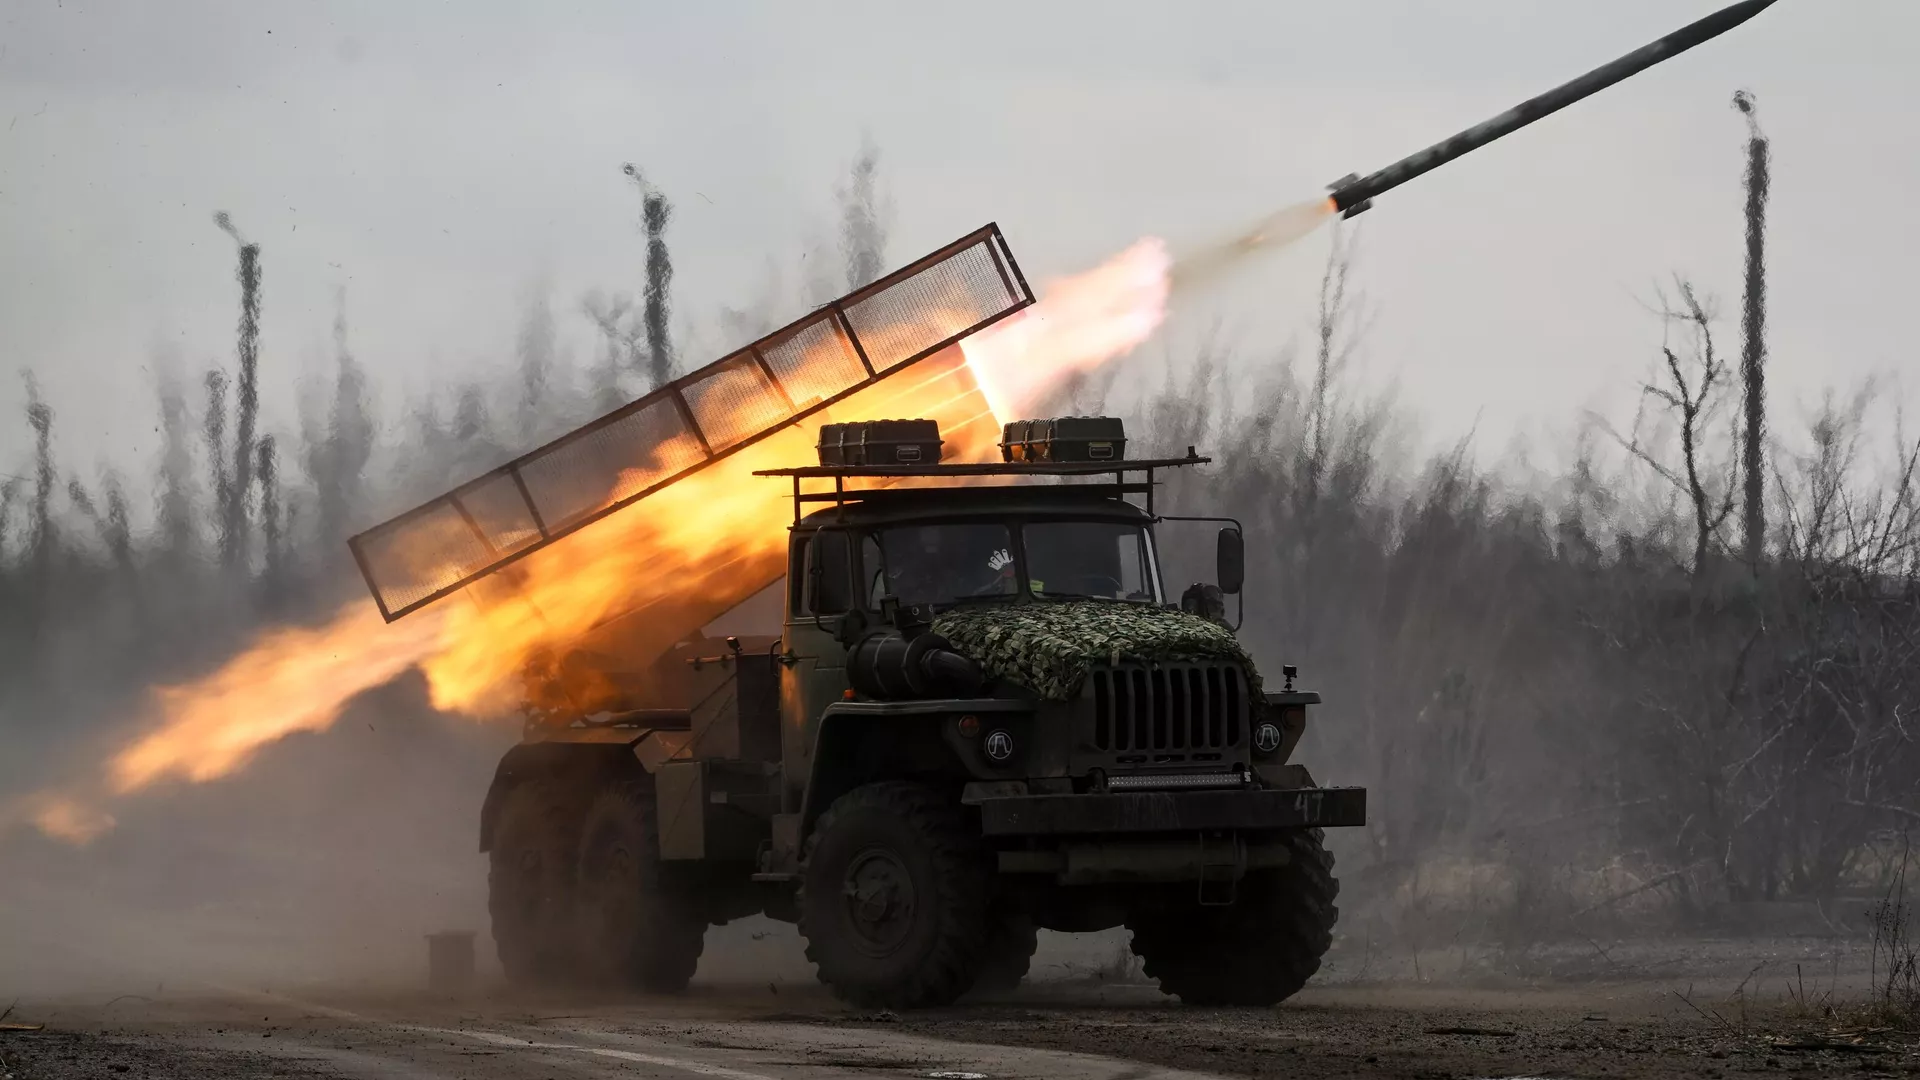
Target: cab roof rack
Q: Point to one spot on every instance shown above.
(840, 474)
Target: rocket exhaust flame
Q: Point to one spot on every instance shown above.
(1084, 321)
(290, 679)
(1080, 323)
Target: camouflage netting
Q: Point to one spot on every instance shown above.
(1049, 648)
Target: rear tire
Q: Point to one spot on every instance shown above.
(893, 898)
(530, 886)
(1258, 951)
(636, 930)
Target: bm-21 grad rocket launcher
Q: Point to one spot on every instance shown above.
(1354, 194)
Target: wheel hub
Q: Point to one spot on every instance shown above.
(879, 901)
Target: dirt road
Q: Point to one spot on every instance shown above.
(1061, 1029)
(1657, 1008)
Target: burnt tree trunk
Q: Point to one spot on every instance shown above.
(1753, 327)
(248, 406)
(655, 210)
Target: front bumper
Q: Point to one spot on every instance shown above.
(1241, 810)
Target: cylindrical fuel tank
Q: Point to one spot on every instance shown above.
(892, 667)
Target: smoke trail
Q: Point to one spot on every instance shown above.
(225, 222)
(1271, 233)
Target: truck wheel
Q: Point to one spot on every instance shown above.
(1010, 947)
(636, 930)
(1258, 951)
(893, 900)
(530, 885)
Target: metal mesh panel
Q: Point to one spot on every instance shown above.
(736, 401)
(944, 300)
(778, 380)
(500, 514)
(434, 551)
(602, 465)
(815, 363)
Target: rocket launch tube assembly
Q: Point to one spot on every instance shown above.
(871, 334)
(1354, 194)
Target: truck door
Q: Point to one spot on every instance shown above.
(820, 592)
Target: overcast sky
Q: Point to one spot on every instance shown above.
(438, 160)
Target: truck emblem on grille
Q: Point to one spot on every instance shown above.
(1266, 738)
(999, 745)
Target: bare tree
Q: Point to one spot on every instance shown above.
(619, 345)
(336, 450)
(173, 507)
(9, 492)
(534, 348)
(469, 413)
(214, 431)
(1691, 393)
(112, 526)
(43, 540)
(1338, 328)
(119, 525)
(268, 479)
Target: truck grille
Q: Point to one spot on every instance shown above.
(1169, 708)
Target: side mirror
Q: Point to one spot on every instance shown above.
(1230, 557)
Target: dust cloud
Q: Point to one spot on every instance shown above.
(327, 860)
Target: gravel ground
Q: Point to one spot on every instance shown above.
(1696, 1008)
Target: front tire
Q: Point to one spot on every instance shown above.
(636, 930)
(894, 898)
(1258, 951)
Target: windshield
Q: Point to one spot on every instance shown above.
(945, 563)
(937, 564)
(1104, 559)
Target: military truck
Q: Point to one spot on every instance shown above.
(982, 716)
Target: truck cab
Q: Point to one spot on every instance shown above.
(1000, 641)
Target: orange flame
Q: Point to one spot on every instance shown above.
(290, 679)
(1079, 324)
(60, 816)
(635, 581)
